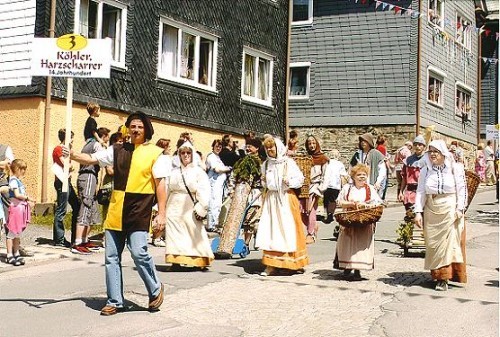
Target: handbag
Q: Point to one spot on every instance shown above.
(196, 215)
(104, 195)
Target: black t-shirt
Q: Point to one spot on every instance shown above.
(228, 157)
(90, 128)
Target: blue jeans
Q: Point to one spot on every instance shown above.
(60, 212)
(137, 244)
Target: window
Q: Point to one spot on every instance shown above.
(435, 87)
(435, 13)
(302, 11)
(103, 19)
(299, 80)
(187, 55)
(257, 81)
(464, 32)
(463, 107)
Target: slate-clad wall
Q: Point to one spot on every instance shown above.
(448, 57)
(489, 84)
(363, 65)
(261, 24)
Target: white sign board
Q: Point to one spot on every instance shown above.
(71, 56)
(492, 132)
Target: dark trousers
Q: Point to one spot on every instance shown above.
(63, 198)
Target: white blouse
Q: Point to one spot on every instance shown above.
(441, 180)
(275, 172)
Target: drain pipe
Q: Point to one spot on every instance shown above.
(46, 121)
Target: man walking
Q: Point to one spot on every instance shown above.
(138, 176)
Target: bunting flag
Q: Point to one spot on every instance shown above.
(415, 14)
(489, 60)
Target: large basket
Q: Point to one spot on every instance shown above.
(305, 163)
(473, 181)
(359, 217)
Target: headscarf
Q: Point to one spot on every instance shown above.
(148, 127)
(187, 144)
(440, 145)
(318, 156)
(280, 151)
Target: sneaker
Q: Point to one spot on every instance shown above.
(65, 244)
(20, 260)
(109, 310)
(13, 261)
(156, 302)
(159, 242)
(90, 246)
(80, 249)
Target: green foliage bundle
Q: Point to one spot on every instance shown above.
(246, 169)
(405, 232)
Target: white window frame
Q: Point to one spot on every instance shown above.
(440, 3)
(123, 29)
(182, 28)
(440, 76)
(466, 90)
(257, 55)
(309, 20)
(308, 80)
(123, 26)
(463, 34)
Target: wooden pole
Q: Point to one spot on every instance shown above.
(67, 140)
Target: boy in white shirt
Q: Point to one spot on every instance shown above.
(335, 174)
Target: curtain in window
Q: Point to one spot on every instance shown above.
(187, 56)
(168, 58)
(248, 85)
(111, 28)
(263, 84)
(84, 18)
(205, 62)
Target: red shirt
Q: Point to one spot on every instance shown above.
(382, 149)
(57, 154)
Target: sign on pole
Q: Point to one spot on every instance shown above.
(71, 55)
(492, 132)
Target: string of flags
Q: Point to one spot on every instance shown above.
(383, 6)
(489, 60)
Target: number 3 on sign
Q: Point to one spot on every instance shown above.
(72, 42)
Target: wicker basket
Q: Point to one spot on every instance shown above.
(359, 217)
(473, 181)
(305, 163)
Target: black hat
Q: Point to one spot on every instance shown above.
(148, 127)
(254, 142)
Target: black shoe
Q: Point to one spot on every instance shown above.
(329, 219)
(65, 244)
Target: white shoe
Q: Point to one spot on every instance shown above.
(159, 242)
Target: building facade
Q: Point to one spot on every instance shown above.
(209, 67)
(386, 67)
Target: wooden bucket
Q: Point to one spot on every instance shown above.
(305, 163)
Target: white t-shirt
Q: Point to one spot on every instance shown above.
(333, 173)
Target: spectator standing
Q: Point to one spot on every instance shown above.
(217, 175)
(6, 158)
(90, 129)
(332, 183)
(293, 143)
(411, 172)
(89, 213)
(489, 155)
(63, 198)
(137, 179)
(480, 164)
(19, 212)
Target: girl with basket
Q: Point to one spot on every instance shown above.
(355, 245)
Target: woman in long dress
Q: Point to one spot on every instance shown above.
(188, 194)
(280, 232)
(439, 206)
(355, 245)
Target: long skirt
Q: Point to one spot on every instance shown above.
(290, 260)
(355, 248)
(444, 239)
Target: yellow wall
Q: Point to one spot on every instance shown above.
(22, 121)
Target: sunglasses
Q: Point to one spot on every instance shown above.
(186, 152)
